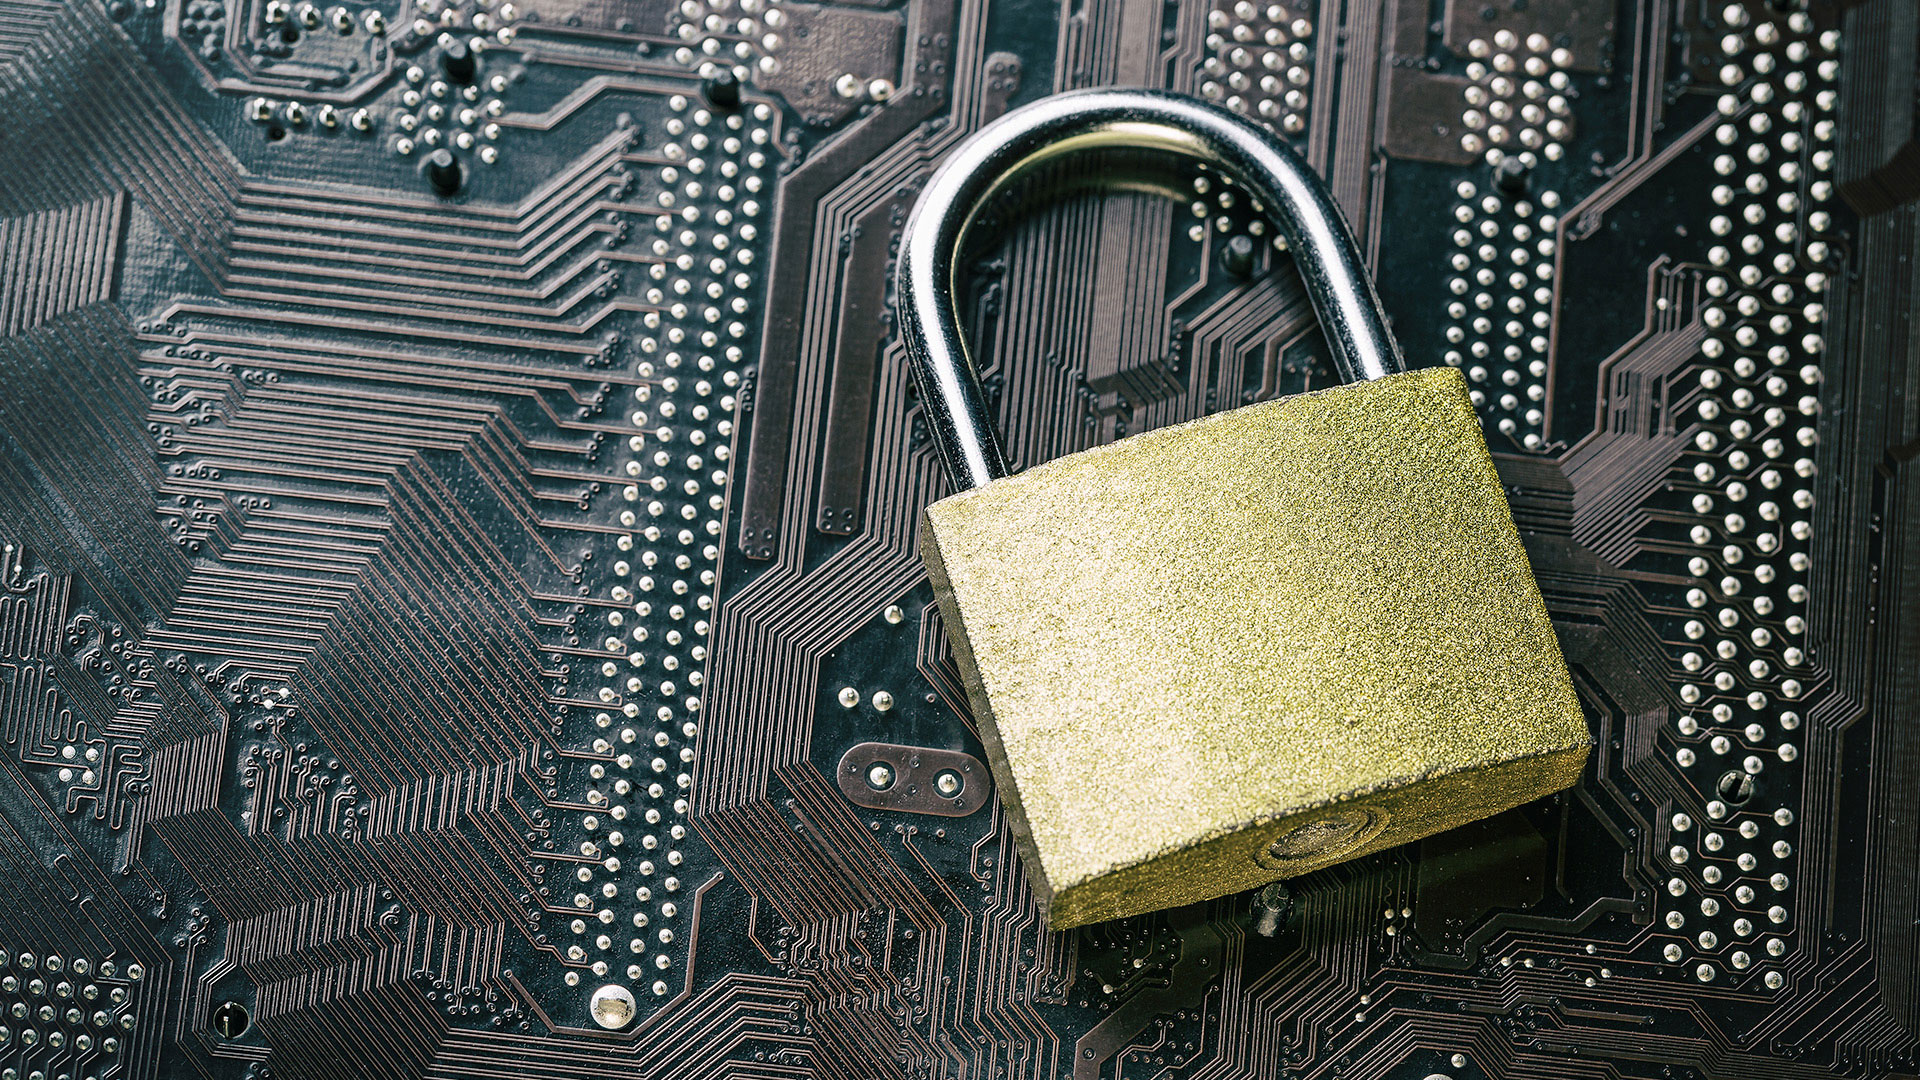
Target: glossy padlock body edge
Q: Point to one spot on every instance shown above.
(1292, 197)
(1080, 874)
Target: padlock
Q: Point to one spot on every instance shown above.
(1214, 655)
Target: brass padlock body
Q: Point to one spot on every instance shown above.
(1214, 655)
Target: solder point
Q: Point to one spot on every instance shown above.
(612, 1006)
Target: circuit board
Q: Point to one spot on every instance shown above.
(460, 612)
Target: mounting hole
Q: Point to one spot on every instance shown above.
(230, 1019)
(1735, 787)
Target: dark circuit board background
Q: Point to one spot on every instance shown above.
(460, 614)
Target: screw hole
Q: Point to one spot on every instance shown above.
(1735, 787)
(230, 1020)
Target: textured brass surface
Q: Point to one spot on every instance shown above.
(1250, 646)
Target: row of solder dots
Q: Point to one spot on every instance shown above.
(691, 352)
(1515, 100)
(427, 104)
(1764, 319)
(424, 103)
(1217, 195)
(1500, 311)
(749, 37)
(433, 112)
(1259, 62)
(49, 990)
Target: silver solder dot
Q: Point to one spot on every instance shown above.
(612, 1006)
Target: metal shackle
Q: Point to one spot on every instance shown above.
(1295, 199)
